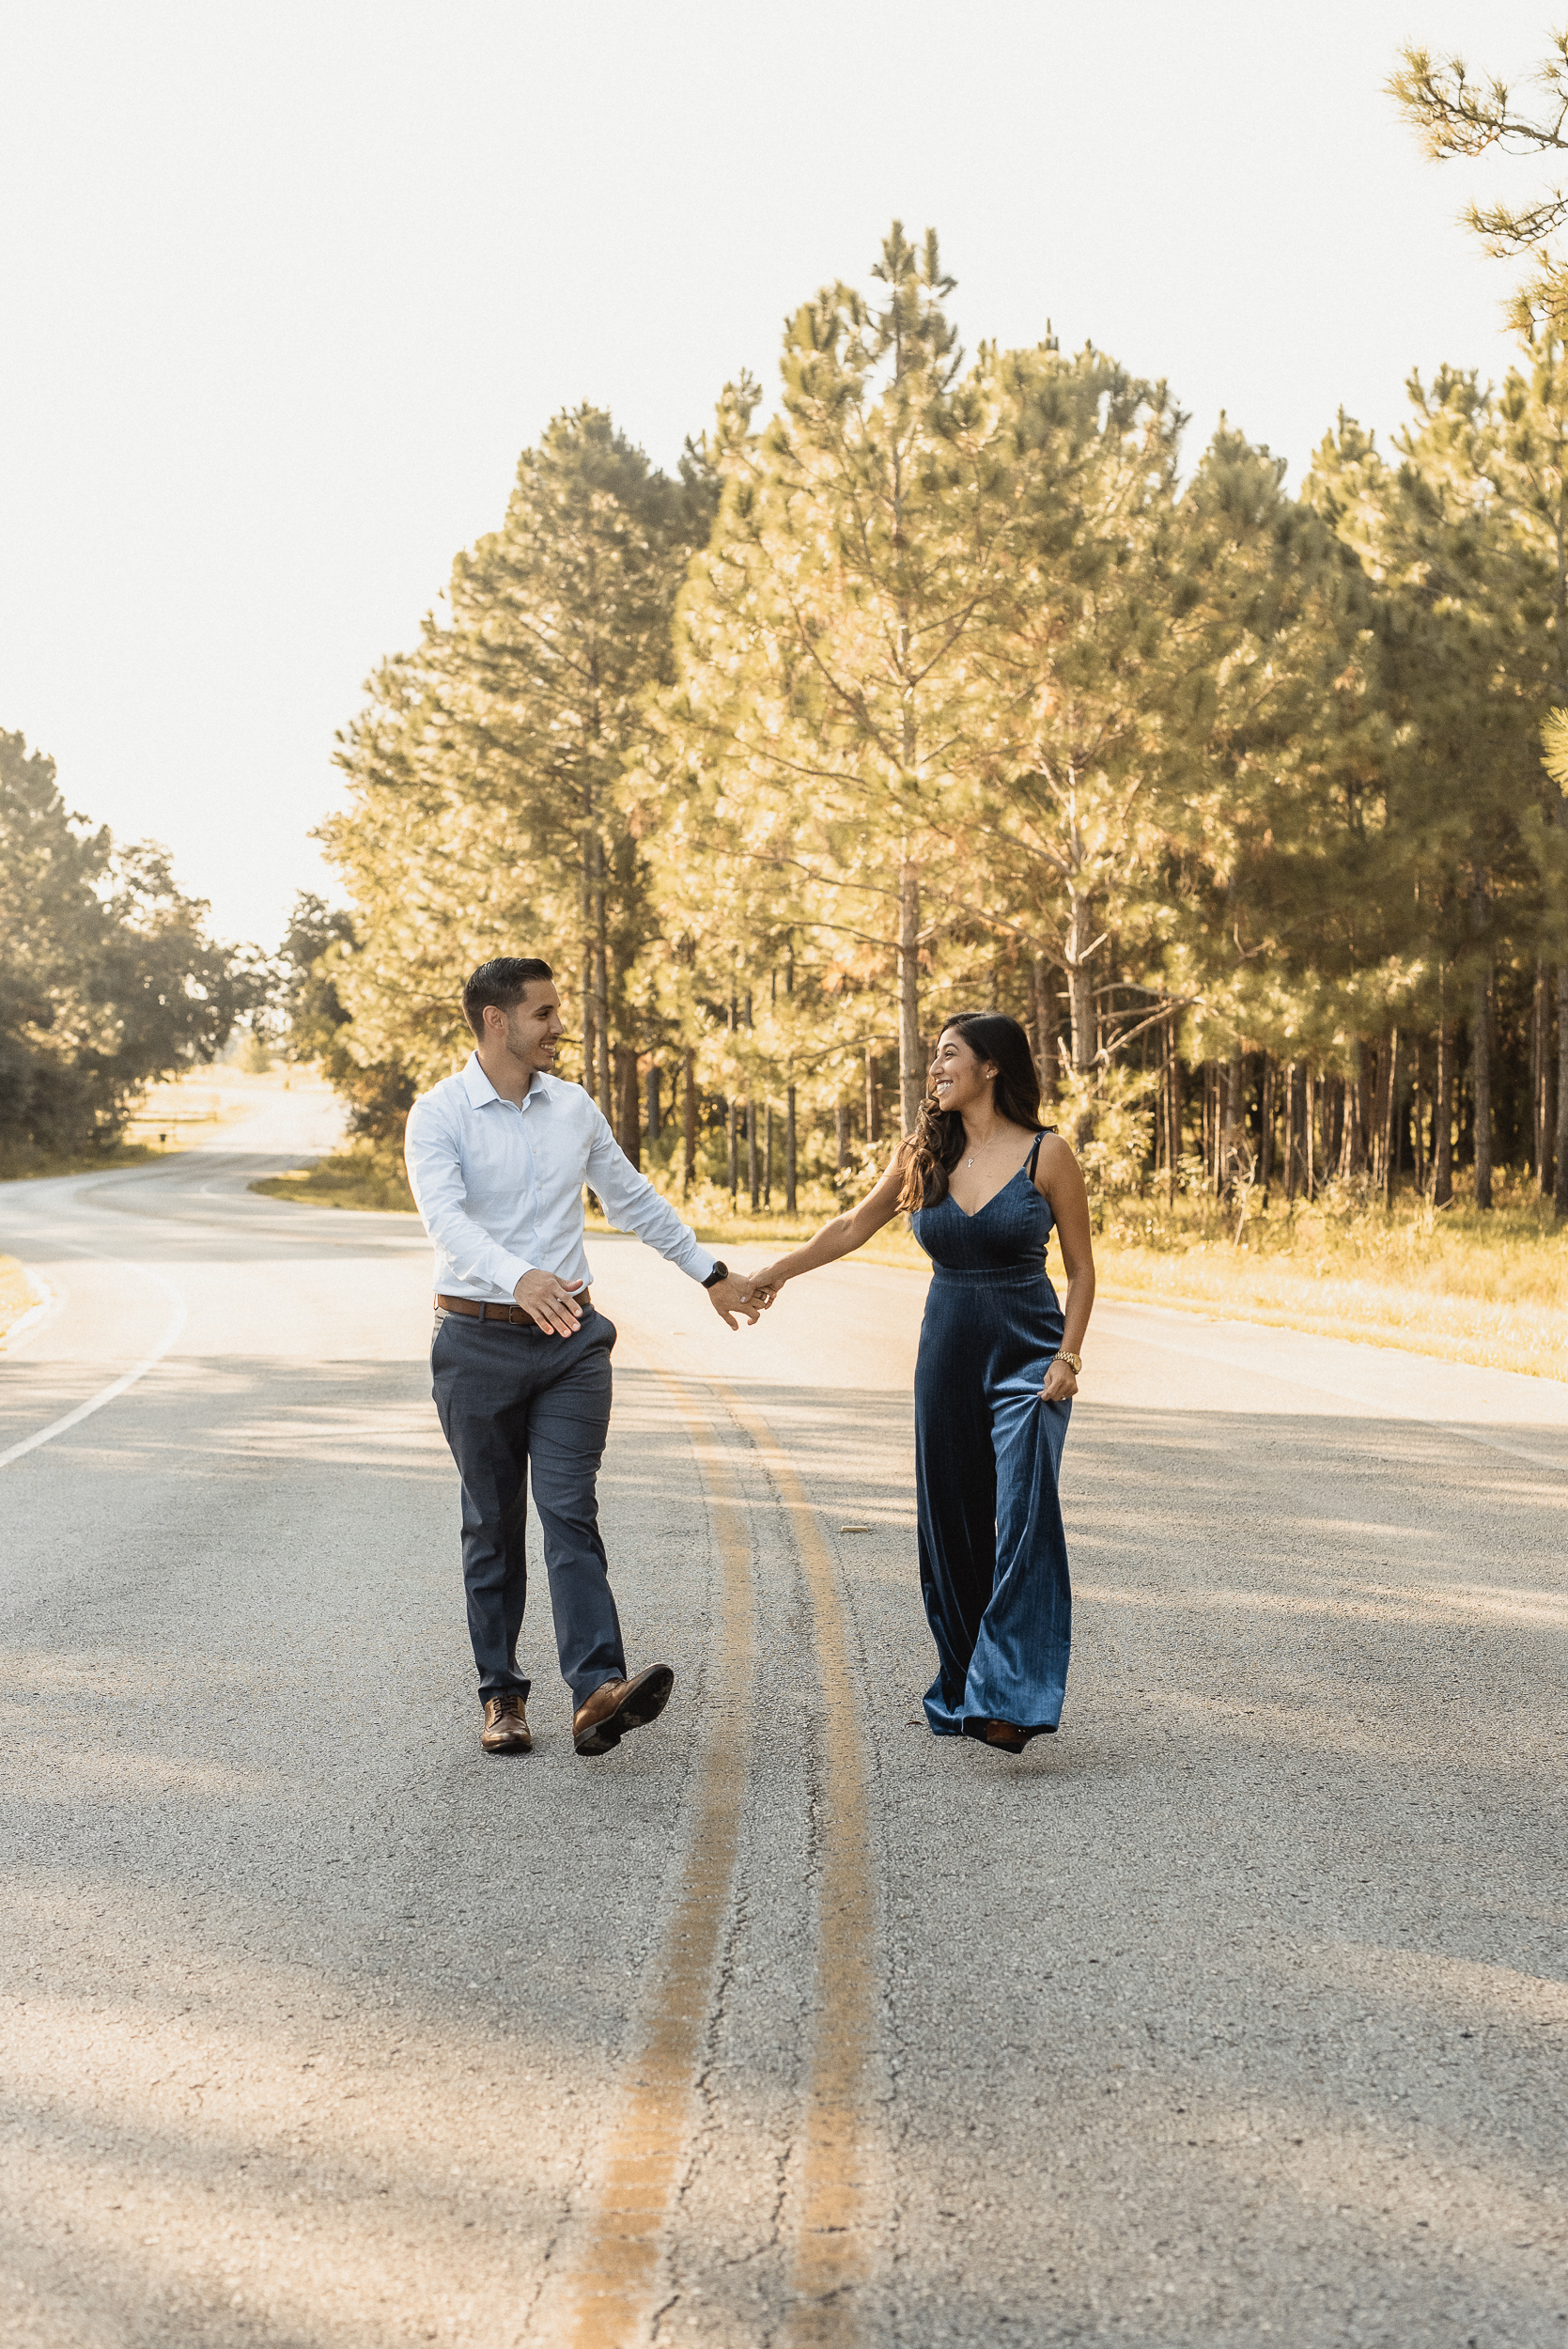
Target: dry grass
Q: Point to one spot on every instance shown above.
(359, 1176)
(1485, 1288)
(31, 1166)
(16, 1294)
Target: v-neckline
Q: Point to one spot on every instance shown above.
(988, 1203)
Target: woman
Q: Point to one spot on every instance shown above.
(983, 1184)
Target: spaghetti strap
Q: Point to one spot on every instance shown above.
(1028, 1162)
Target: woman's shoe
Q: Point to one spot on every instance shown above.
(1003, 1735)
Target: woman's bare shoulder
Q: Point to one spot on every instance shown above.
(1056, 1157)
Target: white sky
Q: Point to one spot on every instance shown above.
(284, 291)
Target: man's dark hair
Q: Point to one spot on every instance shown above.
(503, 982)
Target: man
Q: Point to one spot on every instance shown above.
(497, 1158)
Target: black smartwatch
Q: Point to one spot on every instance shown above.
(720, 1272)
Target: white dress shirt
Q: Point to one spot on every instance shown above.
(500, 1187)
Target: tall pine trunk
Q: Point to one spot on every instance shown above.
(1481, 1048)
(1335, 1124)
(789, 1090)
(688, 1122)
(1442, 1114)
(751, 1153)
(1353, 1131)
(602, 982)
(1230, 1127)
(911, 1070)
(1266, 1124)
(627, 1118)
(872, 1097)
(1540, 1108)
(1048, 1029)
(841, 1136)
(587, 992)
(1389, 1138)
(1559, 1180)
(1171, 1112)
(1080, 988)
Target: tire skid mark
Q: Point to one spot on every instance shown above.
(832, 2250)
(614, 2277)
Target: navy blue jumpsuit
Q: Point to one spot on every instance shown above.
(993, 1556)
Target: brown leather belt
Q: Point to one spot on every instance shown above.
(477, 1310)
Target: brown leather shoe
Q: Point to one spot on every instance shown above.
(618, 1705)
(1004, 1735)
(507, 1729)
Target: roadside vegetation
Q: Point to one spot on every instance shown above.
(108, 978)
(1247, 801)
(16, 1294)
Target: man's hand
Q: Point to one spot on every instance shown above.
(550, 1302)
(734, 1295)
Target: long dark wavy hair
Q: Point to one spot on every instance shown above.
(932, 1151)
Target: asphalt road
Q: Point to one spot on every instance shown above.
(1236, 2014)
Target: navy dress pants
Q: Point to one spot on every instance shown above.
(511, 1400)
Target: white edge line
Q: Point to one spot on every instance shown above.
(118, 1386)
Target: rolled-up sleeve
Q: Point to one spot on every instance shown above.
(632, 1205)
(433, 1157)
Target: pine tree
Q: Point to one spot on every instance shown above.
(484, 815)
(830, 698)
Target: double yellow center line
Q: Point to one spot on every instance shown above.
(616, 2275)
(830, 2247)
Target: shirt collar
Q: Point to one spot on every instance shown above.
(479, 1089)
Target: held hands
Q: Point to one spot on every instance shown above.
(550, 1302)
(765, 1284)
(1061, 1384)
(738, 1294)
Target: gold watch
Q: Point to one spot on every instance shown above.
(1074, 1361)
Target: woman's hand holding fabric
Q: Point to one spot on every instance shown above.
(1061, 1385)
